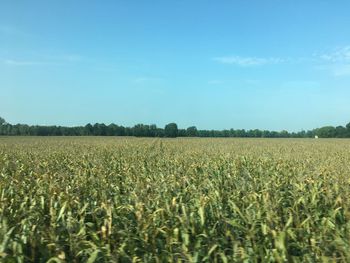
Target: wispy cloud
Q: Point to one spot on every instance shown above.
(248, 61)
(336, 61)
(340, 54)
(43, 60)
(13, 62)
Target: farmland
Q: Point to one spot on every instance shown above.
(123, 199)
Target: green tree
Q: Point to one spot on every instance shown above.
(171, 130)
(340, 132)
(2, 121)
(141, 130)
(192, 131)
(326, 132)
(348, 126)
(284, 134)
(88, 129)
(347, 130)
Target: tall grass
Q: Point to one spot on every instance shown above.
(174, 200)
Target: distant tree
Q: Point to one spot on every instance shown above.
(128, 131)
(348, 126)
(88, 129)
(192, 131)
(257, 133)
(226, 133)
(241, 133)
(254, 133)
(141, 130)
(23, 129)
(2, 121)
(347, 130)
(103, 129)
(112, 129)
(152, 131)
(159, 132)
(171, 130)
(137, 130)
(120, 131)
(311, 134)
(326, 132)
(274, 134)
(340, 132)
(301, 134)
(283, 134)
(266, 134)
(181, 133)
(100, 129)
(232, 133)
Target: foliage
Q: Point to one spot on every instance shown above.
(2, 121)
(170, 130)
(192, 131)
(163, 200)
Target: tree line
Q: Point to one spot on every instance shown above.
(170, 130)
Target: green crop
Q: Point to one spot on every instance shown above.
(174, 200)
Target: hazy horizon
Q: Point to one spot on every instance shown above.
(272, 65)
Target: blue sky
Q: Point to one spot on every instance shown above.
(215, 64)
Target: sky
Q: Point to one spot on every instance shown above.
(240, 64)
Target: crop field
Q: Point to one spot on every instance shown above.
(120, 199)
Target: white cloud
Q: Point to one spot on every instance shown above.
(337, 55)
(337, 61)
(13, 62)
(43, 60)
(247, 61)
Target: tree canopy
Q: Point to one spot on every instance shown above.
(2, 121)
(170, 130)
